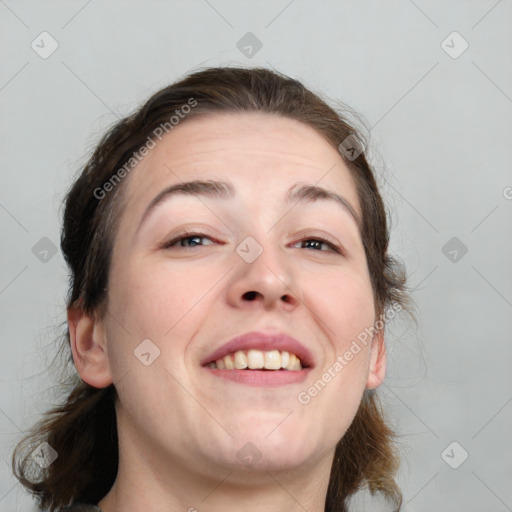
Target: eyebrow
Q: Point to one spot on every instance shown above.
(222, 190)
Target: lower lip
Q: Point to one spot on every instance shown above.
(262, 377)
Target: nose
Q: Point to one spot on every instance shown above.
(267, 283)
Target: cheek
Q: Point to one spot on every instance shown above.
(157, 303)
(153, 299)
(344, 304)
(344, 308)
(160, 305)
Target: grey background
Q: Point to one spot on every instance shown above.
(441, 141)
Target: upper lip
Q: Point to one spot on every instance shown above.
(262, 341)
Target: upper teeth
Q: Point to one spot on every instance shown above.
(257, 360)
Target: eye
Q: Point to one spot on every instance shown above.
(188, 240)
(317, 244)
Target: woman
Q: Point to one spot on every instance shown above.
(230, 283)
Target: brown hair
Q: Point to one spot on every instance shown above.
(83, 429)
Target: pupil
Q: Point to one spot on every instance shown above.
(193, 240)
(312, 244)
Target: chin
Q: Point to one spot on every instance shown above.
(271, 448)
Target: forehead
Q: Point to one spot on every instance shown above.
(254, 132)
(256, 152)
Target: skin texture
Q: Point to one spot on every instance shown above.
(180, 427)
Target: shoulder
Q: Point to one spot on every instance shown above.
(81, 507)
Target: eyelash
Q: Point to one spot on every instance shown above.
(183, 236)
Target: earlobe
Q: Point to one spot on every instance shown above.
(378, 359)
(88, 345)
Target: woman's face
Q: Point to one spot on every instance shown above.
(256, 256)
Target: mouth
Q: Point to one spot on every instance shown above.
(258, 359)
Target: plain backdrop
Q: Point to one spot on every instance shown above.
(433, 80)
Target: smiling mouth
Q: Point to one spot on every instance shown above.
(258, 360)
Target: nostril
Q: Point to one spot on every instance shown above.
(250, 295)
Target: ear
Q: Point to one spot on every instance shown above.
(377, 370)
(89, 346)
